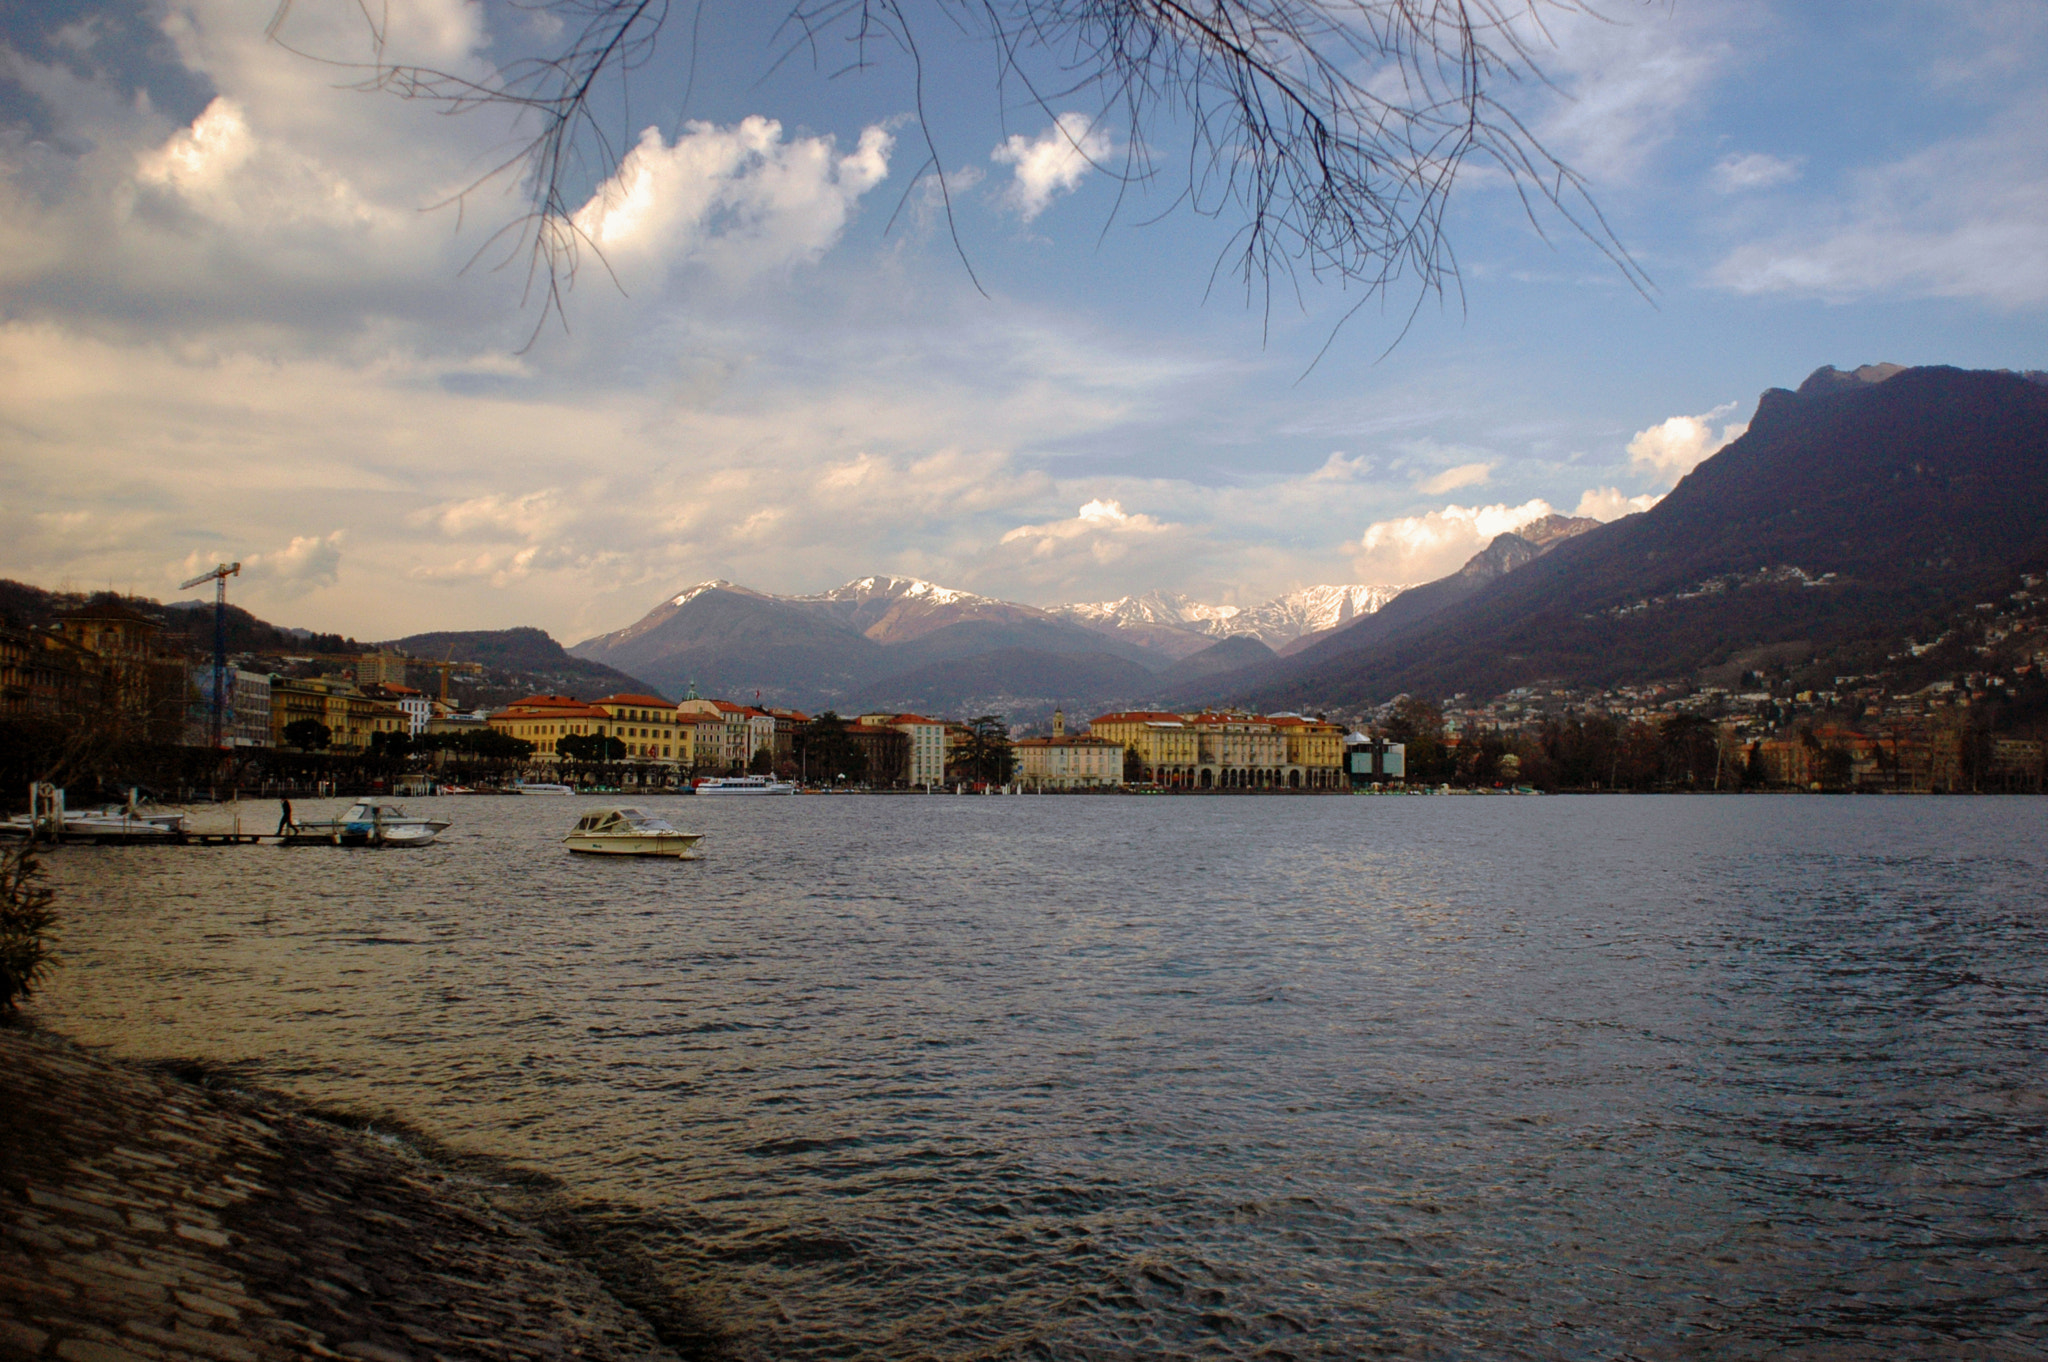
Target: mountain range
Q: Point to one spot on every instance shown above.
(898, 641)
(1853, 510)
(1863, 500)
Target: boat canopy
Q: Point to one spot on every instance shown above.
(621, 820)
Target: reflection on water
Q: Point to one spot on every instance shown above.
(1147, 1077)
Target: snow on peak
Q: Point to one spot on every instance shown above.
(895, 588)
(716, 584)
(1280, 620)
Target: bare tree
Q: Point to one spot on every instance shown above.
(1329, 132)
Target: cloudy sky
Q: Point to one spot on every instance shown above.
(247, 312)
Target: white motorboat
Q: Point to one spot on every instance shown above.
(111, 823)
(371, 822)
(744, 785)
(542, 787)
(627, 831)
(117, 824)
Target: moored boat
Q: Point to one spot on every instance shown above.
(744, 785)
(627, 831)
(370, 822)
(542, 787)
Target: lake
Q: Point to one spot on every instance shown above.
(1100, 1077)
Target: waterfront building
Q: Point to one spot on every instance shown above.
(1167, 749)
(647, 724)
(1068, 761)
(350, 717)
(700, 741)
(1238, 752)
(544, 720)
(887, 750)
(925, 752)
(415, 706)
(1374, 761)
(746, 730)
(788, 723)
(245, 718)
(1314, 752)
(39, 673)
(134, 673)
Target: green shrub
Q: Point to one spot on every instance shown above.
(25, 922)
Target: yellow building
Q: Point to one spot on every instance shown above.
(649, 726)
(1166, 744)
(1315, 752)
(1239, 751)
(544, 720)
(1068, 762)
(350, 717)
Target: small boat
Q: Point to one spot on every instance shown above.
(111, 824)
(542, 787)
(370, 822)
(117, 824)
(627, 831)
(744, 785)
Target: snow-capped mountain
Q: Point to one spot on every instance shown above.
(1154, 607)
(1274, 623)
(880, 637)
(897, 609)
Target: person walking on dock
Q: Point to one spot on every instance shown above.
(284, 817)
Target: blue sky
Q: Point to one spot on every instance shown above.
(234, 323)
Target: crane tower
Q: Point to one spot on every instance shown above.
(219, 577)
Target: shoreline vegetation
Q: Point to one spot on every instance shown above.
(169, 1211)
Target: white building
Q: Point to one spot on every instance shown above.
(927, 765)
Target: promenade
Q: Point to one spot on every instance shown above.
(144, 1219)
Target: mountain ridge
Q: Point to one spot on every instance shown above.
(1845, 509)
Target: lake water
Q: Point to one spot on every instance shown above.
(1231, 1077)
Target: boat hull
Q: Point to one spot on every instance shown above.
(675, 845)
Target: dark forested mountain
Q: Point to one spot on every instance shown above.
(523, 659)
(22, 605)
(1859, 503)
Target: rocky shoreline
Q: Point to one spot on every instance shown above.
(147, 1215)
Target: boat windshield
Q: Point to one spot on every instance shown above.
(621, 820)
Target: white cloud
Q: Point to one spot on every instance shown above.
(1673, 447)
(1757, 170)
(1101, 527)
(1625, 80)
(310, 561)
(1053, 163)
(1420, 548)
(1610, 503)
(1451, 479)
(742, 197)
(1965, 218)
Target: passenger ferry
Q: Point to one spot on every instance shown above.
(744, 785)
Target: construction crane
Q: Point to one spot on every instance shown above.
(219, 577)
(450, 665)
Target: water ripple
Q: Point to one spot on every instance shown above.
(1252, 1078)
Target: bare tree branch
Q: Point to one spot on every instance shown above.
(1330, 133)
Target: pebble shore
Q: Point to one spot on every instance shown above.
(144, 1218)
